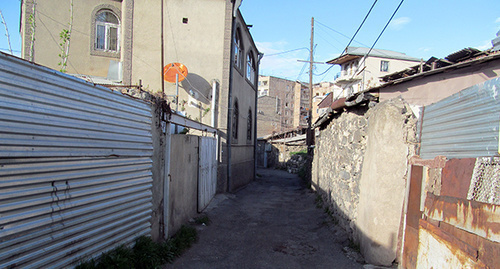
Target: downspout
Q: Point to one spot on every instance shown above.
(230, 105)
(260, 55)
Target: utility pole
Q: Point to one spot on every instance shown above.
(309, 135)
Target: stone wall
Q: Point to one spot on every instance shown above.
(360, 170)
(336, 168)
(281, 155)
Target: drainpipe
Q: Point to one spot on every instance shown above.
(230, 105)
(256, 83)
(214, 102)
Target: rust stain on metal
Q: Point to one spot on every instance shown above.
(413, 214)
(446, 247)
(410, 251)
(456, 177)
(475, 217)
(437, 162)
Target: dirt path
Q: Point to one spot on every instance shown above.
(271, 223)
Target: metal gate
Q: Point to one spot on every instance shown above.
(207, 173)
(75, 167)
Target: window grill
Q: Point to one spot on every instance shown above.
(485, 182)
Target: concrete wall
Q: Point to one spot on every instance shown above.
(430, 89)
(183, 189)
(54, 16)
(244, 92)
(391, 142)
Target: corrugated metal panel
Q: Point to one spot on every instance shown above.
(75, 167)
(207, 175)
(463, 125)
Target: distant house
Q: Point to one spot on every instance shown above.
(119, 43)
(436, 79)
(361, 71)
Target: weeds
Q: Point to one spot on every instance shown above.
(146, 253)
(354, 246)
(202, 220)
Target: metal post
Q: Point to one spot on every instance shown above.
(166, 180)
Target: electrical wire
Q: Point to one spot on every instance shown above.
(331, 29)
(361, 25)
(283, 52)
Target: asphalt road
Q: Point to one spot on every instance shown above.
(272, 223)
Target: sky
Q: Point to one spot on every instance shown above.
(420, 28)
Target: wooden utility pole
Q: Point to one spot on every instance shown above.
(309, 134)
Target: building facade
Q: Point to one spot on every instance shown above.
(283, 93)
(123, 43)
(360, 71)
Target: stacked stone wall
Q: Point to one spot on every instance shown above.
(336, 168)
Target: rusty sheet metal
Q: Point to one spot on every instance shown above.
(488, 251)
(438, 249)
(75, 167)
(463, 125)
(456, 177)
(410, 250)
(475, 217)
(437, 162)
(413, 214)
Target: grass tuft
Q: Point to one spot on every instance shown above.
(146, 254)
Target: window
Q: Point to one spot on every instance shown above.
(238, 50)
(235, 120)
(106, 31)
(384, 66)
(249, 125)
(250, 67)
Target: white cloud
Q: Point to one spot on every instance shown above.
(486, 45)
(497, 20)
(397, 24)
(424, 49)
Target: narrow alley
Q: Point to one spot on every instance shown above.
(271, 223)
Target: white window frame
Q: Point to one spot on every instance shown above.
(107, 28)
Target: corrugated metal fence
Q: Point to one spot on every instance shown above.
(75, 167)
(464, 125)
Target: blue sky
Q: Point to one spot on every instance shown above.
(421, 28)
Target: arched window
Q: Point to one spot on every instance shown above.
(236, 113)
(107, 31)
(249, 125)
(238, 50)
(250, 67)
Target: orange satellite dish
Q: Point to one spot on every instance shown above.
(172, 69)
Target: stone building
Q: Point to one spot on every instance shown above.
(124, 44)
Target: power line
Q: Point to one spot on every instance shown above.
(283, 52)
(383, 30)
(331, 29)
(361, 25)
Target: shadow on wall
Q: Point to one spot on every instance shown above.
(340, 218)
(197, 87)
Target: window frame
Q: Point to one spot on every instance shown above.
(250, 66)
(235, 122)
(238, 50)
(384, 66)
(107, 28)
(249, 125)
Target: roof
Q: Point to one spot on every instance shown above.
(462, 58)
(353, 53)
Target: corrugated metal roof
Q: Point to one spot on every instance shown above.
(358, 52)
(464, 125)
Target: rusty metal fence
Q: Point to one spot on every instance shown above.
(75, 167)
